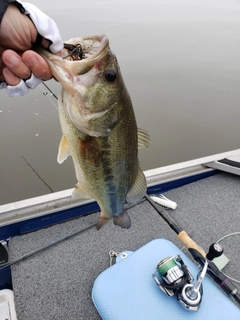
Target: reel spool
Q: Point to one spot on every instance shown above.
(174, 275)
(174, 278)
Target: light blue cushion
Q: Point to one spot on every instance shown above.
(127, 290)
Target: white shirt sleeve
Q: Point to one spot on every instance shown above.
(45, 26)
(23, 87)
(48, 29)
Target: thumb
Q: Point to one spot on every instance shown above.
(45, 26)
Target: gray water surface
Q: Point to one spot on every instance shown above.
(180, 62)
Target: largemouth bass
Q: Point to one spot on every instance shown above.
(99, 127)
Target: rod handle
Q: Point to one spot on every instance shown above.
(189, 243)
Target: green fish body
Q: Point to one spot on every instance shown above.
(99, 129)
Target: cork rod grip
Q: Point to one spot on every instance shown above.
(189, 243)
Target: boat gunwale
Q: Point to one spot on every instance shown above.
(46, 204)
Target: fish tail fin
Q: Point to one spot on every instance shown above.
(123, 221)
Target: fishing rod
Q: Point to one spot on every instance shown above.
(196, 251)
(199, 255)
(54, 95)
(51, 244)
(30, 254)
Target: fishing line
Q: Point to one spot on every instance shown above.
(228, 235)
(47, 94)
(50, 90)
(224, 237)
(199, 255)
(37, 174)
(27, 255)
(197, 252)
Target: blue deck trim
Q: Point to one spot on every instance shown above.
(164, 187)
(6, 279)
(68, 214)
(37, 223)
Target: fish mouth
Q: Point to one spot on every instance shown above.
(78, 56)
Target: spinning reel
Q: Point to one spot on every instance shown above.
(174, 279)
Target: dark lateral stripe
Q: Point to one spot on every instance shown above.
(230, 162)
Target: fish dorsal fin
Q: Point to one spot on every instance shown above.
(63, 150)
(143, 138)
(138, 189)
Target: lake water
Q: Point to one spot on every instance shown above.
(180, 62)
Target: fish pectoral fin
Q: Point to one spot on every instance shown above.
(90, 151)
(63, 150)
(143, 138)
(123, 221)
(78, 193)
(138, 189)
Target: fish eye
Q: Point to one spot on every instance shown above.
(110, 75)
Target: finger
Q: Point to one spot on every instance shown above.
(10, 77)
(46, 44)
(14, 63)
(37, 64)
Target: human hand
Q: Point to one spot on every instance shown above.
(17, 35)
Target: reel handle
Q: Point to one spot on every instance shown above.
(189, 243)
(191, 295)
(215, 251)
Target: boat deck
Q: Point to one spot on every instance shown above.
(57, 283)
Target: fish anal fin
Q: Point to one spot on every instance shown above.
(143, 138)
(138, 189)
(78, 193)
(102, 221)
(63, 150)
(90, 151)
